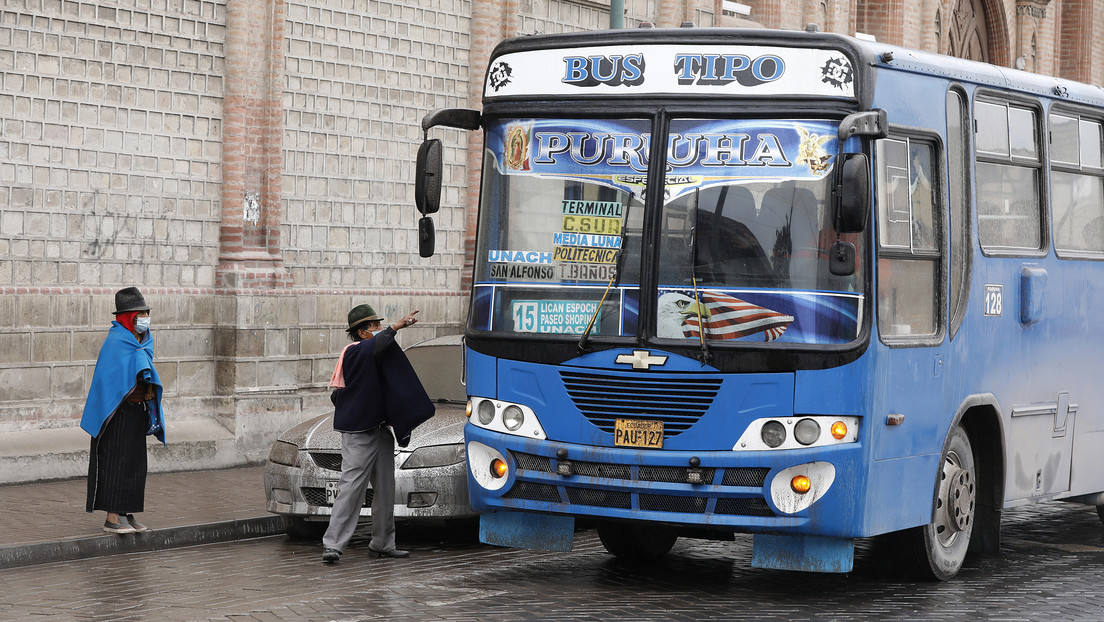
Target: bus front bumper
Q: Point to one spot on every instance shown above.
(749, 491)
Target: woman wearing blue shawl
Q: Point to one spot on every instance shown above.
(123, 406)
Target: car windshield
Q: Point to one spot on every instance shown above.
(741, 247)
(439, 367)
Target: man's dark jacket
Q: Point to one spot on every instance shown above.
(380, 390)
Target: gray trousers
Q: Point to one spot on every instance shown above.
(365, 457)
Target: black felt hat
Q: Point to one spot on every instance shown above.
(361, 314)
(129, 299)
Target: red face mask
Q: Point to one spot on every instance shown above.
(127, 319)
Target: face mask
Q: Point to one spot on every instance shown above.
(141, 324)
(376, 332)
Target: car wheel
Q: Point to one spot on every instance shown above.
(636, 542)
(302, 529)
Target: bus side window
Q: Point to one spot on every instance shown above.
(1008, 174)
(1077, 184)
(908, 239)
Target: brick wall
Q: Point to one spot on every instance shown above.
(135, 138)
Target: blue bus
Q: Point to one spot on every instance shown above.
(792, 284)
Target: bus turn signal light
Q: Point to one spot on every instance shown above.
(839, 430)
(498, 468)
(801, 484)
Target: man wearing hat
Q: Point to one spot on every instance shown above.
(123, 406)
(375, 392)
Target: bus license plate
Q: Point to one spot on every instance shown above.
(331, 493)
(638, 433)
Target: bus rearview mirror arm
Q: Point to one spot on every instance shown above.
(427, 180)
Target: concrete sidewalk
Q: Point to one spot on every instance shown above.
(46, 522)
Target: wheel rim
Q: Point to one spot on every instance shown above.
(955, 514)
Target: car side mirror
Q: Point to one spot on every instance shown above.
(427, 182)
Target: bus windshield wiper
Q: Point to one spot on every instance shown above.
(615, 279)
(705, 355)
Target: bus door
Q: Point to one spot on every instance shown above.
(910, 256)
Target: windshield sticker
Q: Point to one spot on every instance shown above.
(554, 316)
(592, 208)
(702, 154)
(519, 256)
(582, 239)
(591, 224)
(587, 272)
(521, 272)
(724, 317)
(760, 315)
(665, 69)
(584, 254)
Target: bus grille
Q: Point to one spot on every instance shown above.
(677, 402)
(626, 475)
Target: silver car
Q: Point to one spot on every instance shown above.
(430, 474)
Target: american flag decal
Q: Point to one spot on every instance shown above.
(732, 318)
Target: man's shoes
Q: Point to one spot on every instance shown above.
(138, 527)
(392, 553)
(330, 556)
(120, 527)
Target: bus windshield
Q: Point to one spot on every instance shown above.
(743, 237)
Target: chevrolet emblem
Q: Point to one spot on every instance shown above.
(641, 359)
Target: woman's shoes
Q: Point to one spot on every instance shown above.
(138, 527)
(125, 524)
(122, 526)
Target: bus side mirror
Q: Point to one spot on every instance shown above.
(425, 236)
(427, 182)
(853, 193)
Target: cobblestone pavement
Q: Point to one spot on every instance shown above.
(1051, 568)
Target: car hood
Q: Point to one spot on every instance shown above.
(445, 427)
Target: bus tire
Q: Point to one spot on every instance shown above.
(937, 551)
(636, 541)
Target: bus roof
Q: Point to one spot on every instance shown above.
(523, 67)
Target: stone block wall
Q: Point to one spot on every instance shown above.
(249, 165)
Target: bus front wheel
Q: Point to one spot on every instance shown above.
(938, 550)
(636, 541)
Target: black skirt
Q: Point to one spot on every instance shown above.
(117, 462)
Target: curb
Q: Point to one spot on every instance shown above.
(155, 540)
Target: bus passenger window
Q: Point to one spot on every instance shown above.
(1077, 184)
(1008, 175)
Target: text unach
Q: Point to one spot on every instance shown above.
(519, 256)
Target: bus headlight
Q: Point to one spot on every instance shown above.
(773, 434)
(798, 432)
(512, 418)
(807, 431)
(486, 412)
(506, 417)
